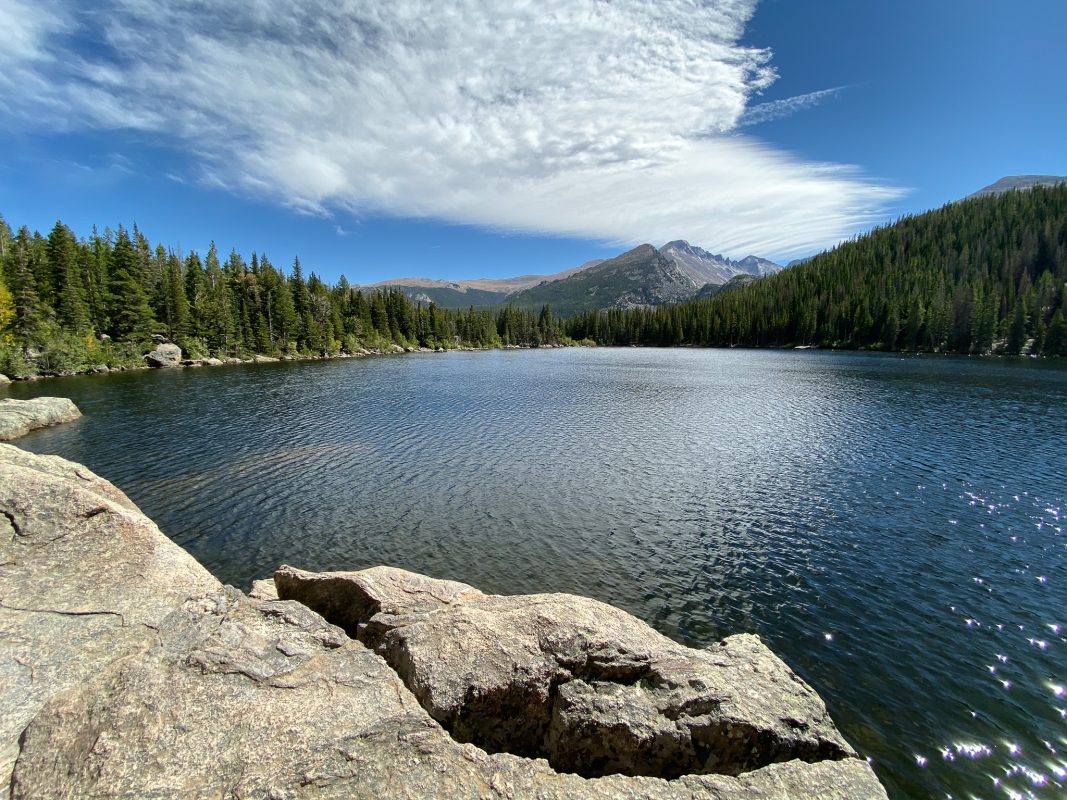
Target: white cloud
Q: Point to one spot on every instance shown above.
(581, 117)
(776, 109)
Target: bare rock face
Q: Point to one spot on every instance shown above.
(264, 699)
(19, 417)
(582, 684)
(127, 671)
(351, 599)
(84, 580)
(165, 355)
(263, 590)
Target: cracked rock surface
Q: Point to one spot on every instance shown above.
(585, 685)
(19, 417)
(126, 670)
(84, 579)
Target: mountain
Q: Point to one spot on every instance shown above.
(712, 289)
(988, 274)
(466, 293)
(704, 267)
(638, 278)
(1019, 182)
(446, 294)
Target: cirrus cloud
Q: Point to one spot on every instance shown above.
(614, 121)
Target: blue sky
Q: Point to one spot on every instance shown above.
(484, 139)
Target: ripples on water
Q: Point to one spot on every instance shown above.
(893, 527)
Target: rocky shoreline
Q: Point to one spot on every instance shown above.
(127, 670)
(19, 417)
(165, 357)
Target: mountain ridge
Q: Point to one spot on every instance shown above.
(640, 277)
(1009, 182)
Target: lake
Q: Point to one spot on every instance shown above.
(892, 526)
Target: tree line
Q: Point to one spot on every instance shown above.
(68, 303)
(977, 276)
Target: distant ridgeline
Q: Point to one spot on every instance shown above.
(987, 274)
(68, 303)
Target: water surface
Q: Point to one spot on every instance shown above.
(891, 526)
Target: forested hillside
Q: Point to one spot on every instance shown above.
(68, 303)
(983, 275)
(987, 274)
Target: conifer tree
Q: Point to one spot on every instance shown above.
(94, 265)
(72, 310)
(24, 286)
(196, 295)
(175, 303)
(217, 309)
(130, 313)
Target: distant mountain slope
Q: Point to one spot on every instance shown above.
(638, 278)
(444, 293)
(1019, 182)
(495, 285)
(704, 267)
(983, 275)
(712, 289)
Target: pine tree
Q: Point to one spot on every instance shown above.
(1056, 336)
(175, 303)
(130, 313)
(94, 265)
(24, 287)
(71, 308)
(1017, 330)
(217, 308)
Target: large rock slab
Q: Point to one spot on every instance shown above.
(264, 699)
(85, 579)
(165, 355)
(127, 671)
(19, 417)
(580, 683)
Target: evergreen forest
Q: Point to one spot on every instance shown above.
(982, 275)
(68, 304)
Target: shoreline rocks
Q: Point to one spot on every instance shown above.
(165, 356)
(19, 417)
(127, 670)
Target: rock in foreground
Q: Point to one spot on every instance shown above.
(19, 417)
(585, 685)
(85, 580)
(126, 670)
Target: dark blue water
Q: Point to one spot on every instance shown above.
(892, 526)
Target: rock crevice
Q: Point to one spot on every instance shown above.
(584, 685)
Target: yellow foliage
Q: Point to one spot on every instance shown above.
(7, 309)
(90, 343)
